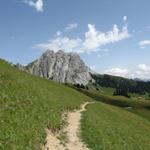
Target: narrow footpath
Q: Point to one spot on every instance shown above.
(69, 137)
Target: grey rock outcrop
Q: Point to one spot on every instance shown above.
(19, 66)
(61, 67)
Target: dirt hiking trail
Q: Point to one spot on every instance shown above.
(69, 137)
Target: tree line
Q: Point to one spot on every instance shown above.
(122, 85)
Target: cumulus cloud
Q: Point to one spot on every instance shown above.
(95, 39)
(37, 4)
(92, 41)
(62, 43)
(125, 18)
(142, 71)
(71, 26)
(118, 72)
(144, 43)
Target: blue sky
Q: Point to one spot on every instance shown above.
(111, 36)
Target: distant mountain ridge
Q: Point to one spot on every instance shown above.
(61, 67)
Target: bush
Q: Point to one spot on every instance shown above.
(87, 87)
(80, 86)
(97, 89)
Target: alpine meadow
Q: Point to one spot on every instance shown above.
(74, 75)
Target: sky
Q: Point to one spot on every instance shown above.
(111, 36)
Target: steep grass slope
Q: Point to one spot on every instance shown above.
(28, 105)
(107, 127)
(116, 123)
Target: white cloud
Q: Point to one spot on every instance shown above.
(58, 33)
(142, 71)
(93, 40)
(144, 43)
(117, 72)
(37, 4)
(93, 67)
(125, 18)
(143, 67)
(62, 43)
(71, 26)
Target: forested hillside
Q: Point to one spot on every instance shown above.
(132, 86)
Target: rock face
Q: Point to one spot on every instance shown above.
(19, 66)
(61, 67)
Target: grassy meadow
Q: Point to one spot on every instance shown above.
(28, 105)
(116, 122)
(107, 127)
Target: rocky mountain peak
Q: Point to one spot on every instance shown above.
(61, 67)
(48, 52)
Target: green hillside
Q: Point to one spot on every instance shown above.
(130, 85)
(28, 105)
(107, 127)
(116, 122)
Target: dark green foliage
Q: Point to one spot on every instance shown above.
(121, 91)
(80, 86)
(87, 88)
(132, 86)
(97, 88)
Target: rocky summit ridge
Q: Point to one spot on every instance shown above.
(61, 67)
